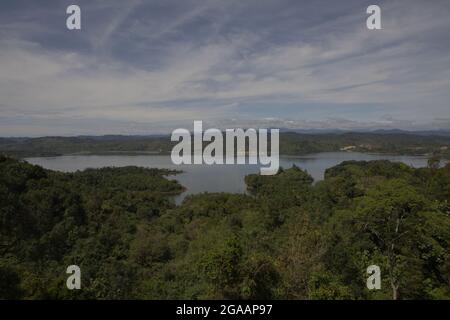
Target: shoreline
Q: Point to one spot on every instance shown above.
(287, 155)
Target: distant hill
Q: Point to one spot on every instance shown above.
(291, 143)
(444, 133)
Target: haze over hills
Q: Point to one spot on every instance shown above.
(439, 132)
(445, 133)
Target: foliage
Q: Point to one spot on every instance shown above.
(291, 143)
(287, 239)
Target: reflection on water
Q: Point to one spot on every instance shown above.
(215, 178)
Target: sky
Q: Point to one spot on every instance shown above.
(146, 67)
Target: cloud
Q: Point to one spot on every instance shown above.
(149, 63)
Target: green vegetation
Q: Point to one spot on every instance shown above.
(286, 239)
(290, 144)
(55, 146)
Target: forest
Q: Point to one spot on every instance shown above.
(287, 238)
(291, 143)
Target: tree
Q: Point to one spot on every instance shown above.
(434, 162)
(390, 215)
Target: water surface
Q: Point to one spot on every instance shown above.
(215, 178)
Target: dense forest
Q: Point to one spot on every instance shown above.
(286, 239)
(291, 143)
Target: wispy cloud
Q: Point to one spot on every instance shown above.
(277, 63)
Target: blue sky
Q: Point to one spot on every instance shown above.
(142, 67)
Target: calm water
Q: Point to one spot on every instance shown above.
(215, 178)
